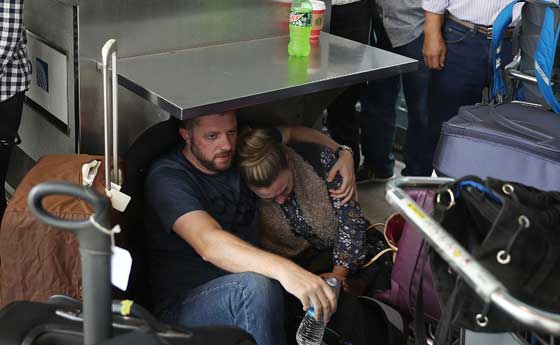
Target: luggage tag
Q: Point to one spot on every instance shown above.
(89, 171)
(119, 200)
(121, 264)
(121, 260)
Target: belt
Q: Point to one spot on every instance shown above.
(483, 29)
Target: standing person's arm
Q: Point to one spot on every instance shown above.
(434, 48)
(232, 254)
(11, 28)
(344, 166)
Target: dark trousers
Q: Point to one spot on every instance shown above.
(350, 21)
(467, 71)
(10, 118)
(378, 121)
(378, 109)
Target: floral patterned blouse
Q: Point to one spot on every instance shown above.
(349, 247)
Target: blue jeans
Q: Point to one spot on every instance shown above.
(467, 71)
(378, 124)
(248, 300)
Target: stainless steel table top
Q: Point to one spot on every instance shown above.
(217, 78)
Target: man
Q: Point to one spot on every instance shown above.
(397, 27)
(457, 47)
(201, 223)
(15, 76)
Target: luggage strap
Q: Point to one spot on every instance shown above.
(503, 20)
(544, 58)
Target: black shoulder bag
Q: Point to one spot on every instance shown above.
(514, 231)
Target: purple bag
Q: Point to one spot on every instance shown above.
(407, 268)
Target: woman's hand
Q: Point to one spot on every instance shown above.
(345, 167)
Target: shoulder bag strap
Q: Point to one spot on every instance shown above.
(503, 20)
(544, 58)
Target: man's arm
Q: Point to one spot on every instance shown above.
(434, 48)
(344, 166)
(11, 26)
(232, 254)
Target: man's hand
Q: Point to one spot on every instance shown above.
(310, 289)
(434, 49)
(345, 167)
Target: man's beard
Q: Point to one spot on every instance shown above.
(208, 163)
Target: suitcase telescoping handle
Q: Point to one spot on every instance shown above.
(95, 251)
(482, 281)
(110, 110)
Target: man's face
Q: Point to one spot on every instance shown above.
(212, 141)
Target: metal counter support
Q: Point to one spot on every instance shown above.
(217, 78)
(482, 281)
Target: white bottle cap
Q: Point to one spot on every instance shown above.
(318, 5)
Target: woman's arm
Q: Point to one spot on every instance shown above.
(349, 249)
(344, 166)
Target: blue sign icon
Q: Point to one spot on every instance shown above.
(42, 69)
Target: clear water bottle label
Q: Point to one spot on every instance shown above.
(300, 19)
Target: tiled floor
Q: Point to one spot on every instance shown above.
(372, 199)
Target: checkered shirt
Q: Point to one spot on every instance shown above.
(15, 67)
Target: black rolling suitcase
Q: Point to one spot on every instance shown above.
(64, 321)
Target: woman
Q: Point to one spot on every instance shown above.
(299, 219)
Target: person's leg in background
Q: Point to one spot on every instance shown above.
(378, 119)
(10, 119)
(467, 71)
(248, 300)
(351, 21)
(417, 157)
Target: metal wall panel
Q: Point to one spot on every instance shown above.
(135, 113)
(54, 23)
(150, 26)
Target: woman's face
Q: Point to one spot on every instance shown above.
(279, 190)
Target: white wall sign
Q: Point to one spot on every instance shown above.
(49, 81)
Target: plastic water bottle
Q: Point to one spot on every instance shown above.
(310, 331)
(300, 27)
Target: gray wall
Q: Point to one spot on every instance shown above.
(152, 26)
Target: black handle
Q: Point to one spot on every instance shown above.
(45, 189)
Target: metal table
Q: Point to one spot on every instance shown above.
(217, 78)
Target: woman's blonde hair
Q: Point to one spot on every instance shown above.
(260, 158)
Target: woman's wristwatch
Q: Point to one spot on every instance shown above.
(344, 148)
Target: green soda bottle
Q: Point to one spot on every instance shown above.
(300, 28)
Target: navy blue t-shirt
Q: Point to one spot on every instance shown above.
(173, 187)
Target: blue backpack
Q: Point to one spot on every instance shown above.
(538, 41)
